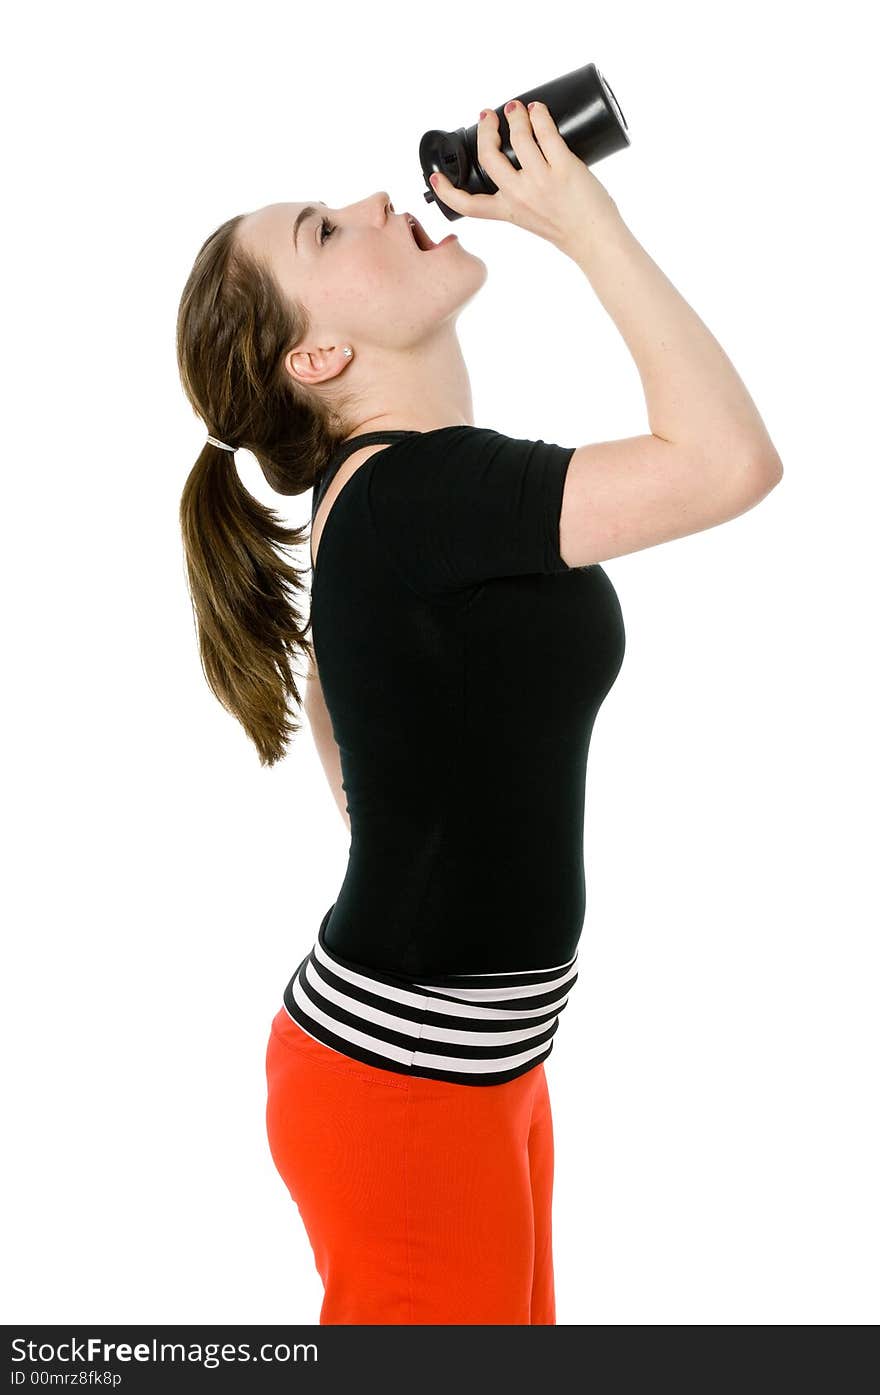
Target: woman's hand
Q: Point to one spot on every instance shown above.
(554, 194)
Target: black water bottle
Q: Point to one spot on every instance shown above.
(586, 113)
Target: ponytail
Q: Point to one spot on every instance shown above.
(244, 593)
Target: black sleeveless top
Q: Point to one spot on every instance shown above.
(463, 664)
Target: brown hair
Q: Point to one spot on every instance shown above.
(234, 327)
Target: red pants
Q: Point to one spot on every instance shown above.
(424, 1201)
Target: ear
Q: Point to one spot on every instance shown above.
(316, 365)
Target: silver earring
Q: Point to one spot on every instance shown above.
(347, 351)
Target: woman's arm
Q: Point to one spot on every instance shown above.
(695, 398)
(315, 709)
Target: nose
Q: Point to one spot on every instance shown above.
(382, 201)
(379, 206)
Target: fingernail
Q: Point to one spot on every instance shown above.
(511, 106)
(483, 114)
(531, 104)
(432, 179)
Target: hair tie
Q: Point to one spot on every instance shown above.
(222, 445)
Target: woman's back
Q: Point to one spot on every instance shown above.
(462, 663)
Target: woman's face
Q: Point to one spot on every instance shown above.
(362, 278)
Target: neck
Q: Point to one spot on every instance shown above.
(420, 388)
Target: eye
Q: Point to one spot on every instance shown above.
(325, 222)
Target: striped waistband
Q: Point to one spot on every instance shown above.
(470, 1029)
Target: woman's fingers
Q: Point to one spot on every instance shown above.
(536, 195)
(460, 201)
(497, 166)
(522, 140)
(490, 154)
(546, 133)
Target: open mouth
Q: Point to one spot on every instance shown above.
(419, 236)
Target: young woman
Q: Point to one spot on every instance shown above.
(464, 636)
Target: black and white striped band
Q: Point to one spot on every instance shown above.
(469, 1029)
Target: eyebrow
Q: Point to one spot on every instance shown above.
(301, 217)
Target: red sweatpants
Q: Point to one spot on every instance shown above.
(424, 1201)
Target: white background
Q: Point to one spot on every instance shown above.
(714, 1079)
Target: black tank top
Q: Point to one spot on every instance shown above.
(342, 453)
(462, 663)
